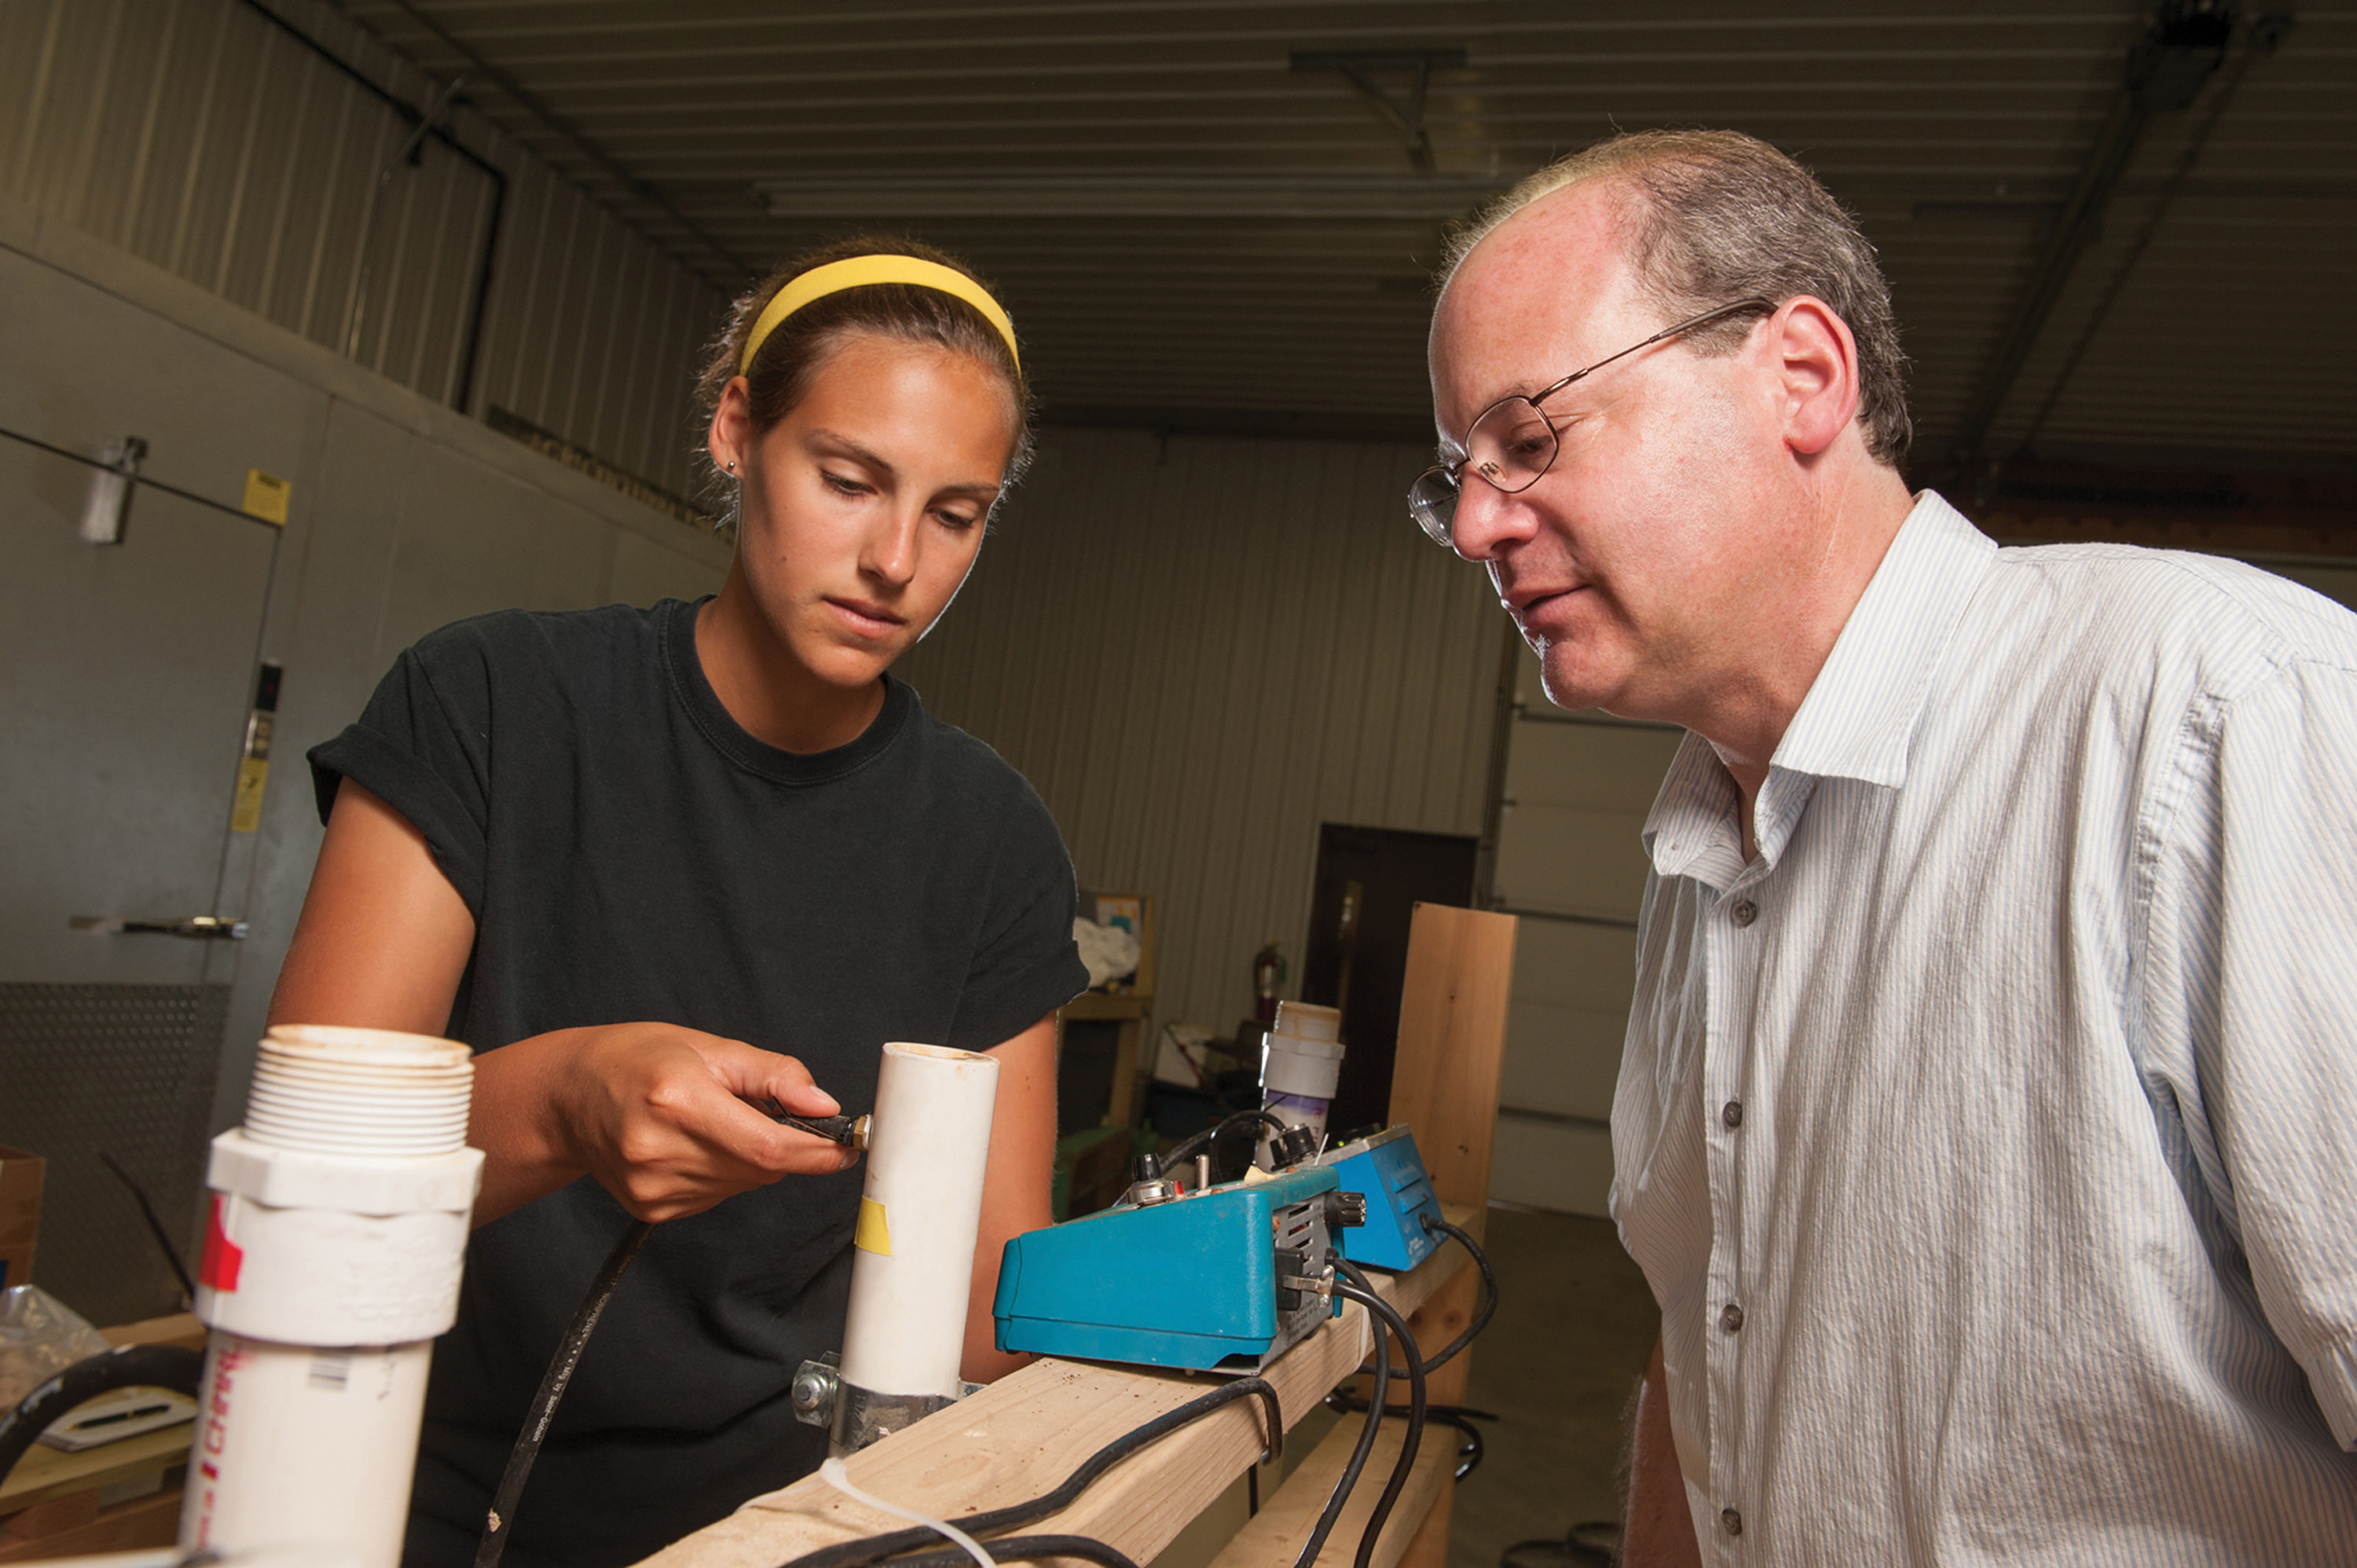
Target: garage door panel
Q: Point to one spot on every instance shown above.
(1601, 767)
(1574, 964)
(1552, 857)
(1562, 1060)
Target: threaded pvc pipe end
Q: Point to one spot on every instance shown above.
(363, 1092)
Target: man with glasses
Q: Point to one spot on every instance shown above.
(1989, 1114)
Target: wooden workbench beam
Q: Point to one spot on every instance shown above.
(1025, 1433)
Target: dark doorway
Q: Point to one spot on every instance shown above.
(1370, 881)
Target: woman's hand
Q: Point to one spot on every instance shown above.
(655, 1111)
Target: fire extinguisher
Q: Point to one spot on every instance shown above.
(1268, 974)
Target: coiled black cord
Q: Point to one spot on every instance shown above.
(502, 1520)
(1461, 1417)
(1361, 1289)
(874, 1549)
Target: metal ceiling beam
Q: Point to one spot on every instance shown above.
(563, 128)
(2164, 71)
(1357, 64)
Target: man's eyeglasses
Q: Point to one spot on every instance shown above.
(1512, 442)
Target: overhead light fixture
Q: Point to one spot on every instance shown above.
(1352, 199)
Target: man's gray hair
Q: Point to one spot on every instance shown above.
(1717, 216)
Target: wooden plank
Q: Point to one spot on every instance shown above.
(143, 1522)
(1100, 1004)
(180, 1328)
(45, 1474)
(1026, 1433)
(1452, 1048)
(1274, 1537)
(1452, 1043)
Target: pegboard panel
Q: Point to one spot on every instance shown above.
(129, 1069)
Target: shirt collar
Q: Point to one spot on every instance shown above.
(1861, 709)
(1859, 714)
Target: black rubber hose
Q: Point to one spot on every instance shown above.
(1194, 1144)
(1489, 1307)
(1011, 1548)
(502, 1520)
(877, 1548)
(169, 1367)
(1362, 1290)
(1366, 1443)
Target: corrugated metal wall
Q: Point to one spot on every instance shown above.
(1199, 649)
(199, 135)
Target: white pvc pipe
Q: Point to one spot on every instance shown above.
(913, 1267)
(339, 1228)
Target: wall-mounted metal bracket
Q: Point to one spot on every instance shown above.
(1360, 66)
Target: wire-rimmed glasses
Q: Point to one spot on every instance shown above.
(1512, 442)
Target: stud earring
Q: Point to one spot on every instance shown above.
(732, 465)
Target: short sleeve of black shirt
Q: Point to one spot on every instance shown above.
(629, 853)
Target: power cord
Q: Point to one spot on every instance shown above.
(1208, 1138)
(1358, 1287)
(502, 1520)
(874, 1549)
(1461, 1417)
(1489, 1307)
(1012, 1547)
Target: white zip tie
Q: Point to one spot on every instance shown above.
(832, 1473)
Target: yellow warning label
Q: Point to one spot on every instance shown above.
(266, 497)
(872, 1235)
(246, 814)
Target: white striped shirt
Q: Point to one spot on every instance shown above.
(1990, 1140)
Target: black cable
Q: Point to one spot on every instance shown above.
(155, 1223)
(1195, 1144)
(1362, 1290)
(1489, 1308)
(169, 1367)
(1010, 1547)
(877, 1548)
(1461, 1417)
(1349, 1479)
(502, 1520)
(1593, 1541)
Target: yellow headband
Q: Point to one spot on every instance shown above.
(860, 271)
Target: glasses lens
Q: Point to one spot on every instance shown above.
(1511, 444)
(1431, 501)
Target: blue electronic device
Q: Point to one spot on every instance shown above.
(1386, 1168)
(1198, 1280)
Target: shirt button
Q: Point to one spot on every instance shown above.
(1745, 911)
(1732, 1113)
(1731, 1318)
(1732, 1520)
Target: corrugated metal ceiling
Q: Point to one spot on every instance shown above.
(1182, 221)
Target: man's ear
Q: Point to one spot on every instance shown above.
(1816, 359)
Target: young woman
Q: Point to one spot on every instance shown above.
(655, 863)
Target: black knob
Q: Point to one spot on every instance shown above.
(1346, 1211)
(1148, 1169)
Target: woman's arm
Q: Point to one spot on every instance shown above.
(655, 1111)
(1016, 1185)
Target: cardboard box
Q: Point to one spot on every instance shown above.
(20, 1214)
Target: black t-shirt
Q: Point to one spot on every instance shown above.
(629, 853)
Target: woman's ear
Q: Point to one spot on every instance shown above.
(731, 435)
(1817, 359)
